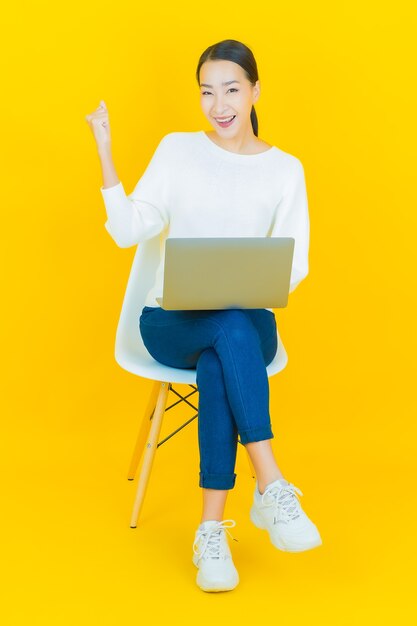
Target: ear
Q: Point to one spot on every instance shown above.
(256, 91)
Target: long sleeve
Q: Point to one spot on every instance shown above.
(292, 220)
(144, 213)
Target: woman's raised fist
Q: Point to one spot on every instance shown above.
(99, 123)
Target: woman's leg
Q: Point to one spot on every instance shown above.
(260, 452)
(262, 457)
(214, 502)
(234, 345)
(217, 435)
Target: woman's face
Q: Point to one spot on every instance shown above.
(225, 100)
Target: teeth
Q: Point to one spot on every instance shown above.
(228, 120)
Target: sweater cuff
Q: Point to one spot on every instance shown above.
(113, 195)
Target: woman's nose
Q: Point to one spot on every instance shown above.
(219, 107)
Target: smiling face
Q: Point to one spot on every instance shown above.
(235, 98)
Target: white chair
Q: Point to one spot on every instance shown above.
(131, 355)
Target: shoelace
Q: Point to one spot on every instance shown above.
(212, 539)
(286, 504)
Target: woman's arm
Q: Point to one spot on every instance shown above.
(99, 123)
(292, 220)
(143, 213)
(108, 170)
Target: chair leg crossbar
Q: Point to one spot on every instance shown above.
(147, 441)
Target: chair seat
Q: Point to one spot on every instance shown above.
(137, 360)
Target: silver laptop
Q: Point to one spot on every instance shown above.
(226, 272)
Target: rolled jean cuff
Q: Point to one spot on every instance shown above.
(256, 434)
(217, 481)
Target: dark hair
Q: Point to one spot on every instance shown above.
(236, 51)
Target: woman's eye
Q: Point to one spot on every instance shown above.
(231, 89)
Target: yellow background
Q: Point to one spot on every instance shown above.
(337, 91)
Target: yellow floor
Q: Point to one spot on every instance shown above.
(69, 555)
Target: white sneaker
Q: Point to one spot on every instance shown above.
(279, 511)
(212, 556)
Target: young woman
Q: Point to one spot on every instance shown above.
(226, 182)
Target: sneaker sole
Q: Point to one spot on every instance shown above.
(280, 546)
(216, 589)
(210, 589)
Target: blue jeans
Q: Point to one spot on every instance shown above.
(230, 349)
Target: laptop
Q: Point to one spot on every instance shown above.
(226, 272)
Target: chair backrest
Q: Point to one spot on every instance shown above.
(141, 278)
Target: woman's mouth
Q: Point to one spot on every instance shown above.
(226, 123)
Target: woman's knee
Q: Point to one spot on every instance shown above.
(236, 325)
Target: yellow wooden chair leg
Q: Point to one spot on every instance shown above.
(144, 430)
(149, 453)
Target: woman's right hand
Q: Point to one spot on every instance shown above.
(99, 123)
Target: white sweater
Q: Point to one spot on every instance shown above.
(194, 188)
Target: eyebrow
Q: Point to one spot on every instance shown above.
(229, 82)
